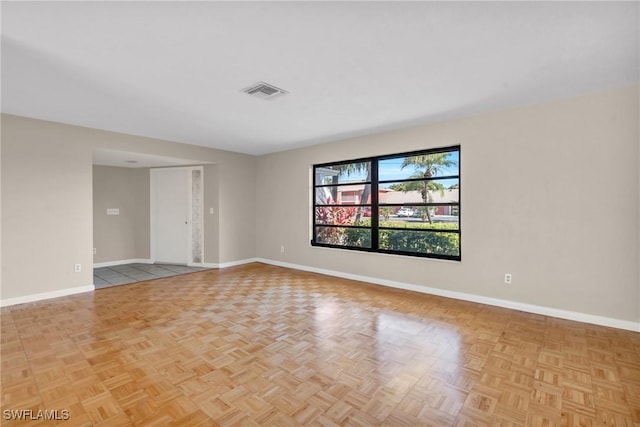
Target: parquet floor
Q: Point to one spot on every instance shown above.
(263, 345)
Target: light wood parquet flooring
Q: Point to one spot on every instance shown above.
(262, 345)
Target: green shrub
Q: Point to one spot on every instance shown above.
(420, 242)
(407, 237)
(358, 237)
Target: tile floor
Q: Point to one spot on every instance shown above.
(105, 277)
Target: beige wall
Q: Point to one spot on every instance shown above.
(46, 210)
(550, 194)
(234, 190)
(0, 208)
(47, 214)
(124, 236)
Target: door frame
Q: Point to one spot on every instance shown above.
(190, 212)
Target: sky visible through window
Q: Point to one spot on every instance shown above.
(391, 169)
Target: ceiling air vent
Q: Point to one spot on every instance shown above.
(264, 90)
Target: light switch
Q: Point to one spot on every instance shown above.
(113, 211)
(211, 211)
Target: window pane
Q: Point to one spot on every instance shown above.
(420, 220)
(437, 191)
(343, 173)
(425, 242)
(353, 237)
(421, 166)
(344, 194)
(343, 215)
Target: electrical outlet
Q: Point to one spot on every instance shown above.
(281, 249)
(507, 278)
(94, 251)
(77, 268)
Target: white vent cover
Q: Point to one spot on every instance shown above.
(264, 90)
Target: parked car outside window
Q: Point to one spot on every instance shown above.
(405, 212)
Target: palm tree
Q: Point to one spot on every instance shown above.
(426, 166)
(424, 187)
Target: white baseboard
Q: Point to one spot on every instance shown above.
(239, 262)
(46, 295)
(208, 265)
(122, 262)
(80, 289)
(514, 305)
(227, 264)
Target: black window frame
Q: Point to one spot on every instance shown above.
(374, 206)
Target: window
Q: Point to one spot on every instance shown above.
(416, 196)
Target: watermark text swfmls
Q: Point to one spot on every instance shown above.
(33, 415)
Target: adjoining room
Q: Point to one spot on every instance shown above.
(148, 216)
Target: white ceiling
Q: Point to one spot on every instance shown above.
(129, 159)
(175, 70)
